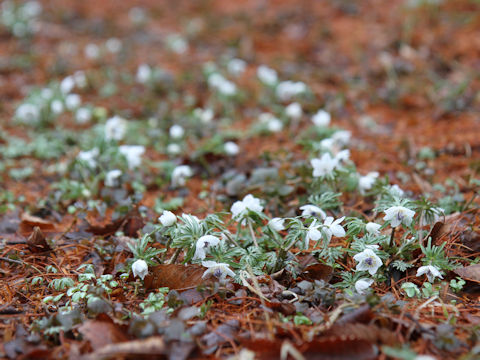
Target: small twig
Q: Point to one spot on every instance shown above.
(288, 349)
(20, 262)
(332, 317)
(417, 312)
(11, 260)
(258, 291)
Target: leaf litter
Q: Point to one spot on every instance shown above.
(75, 210)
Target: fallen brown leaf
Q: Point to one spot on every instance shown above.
(174, 276)
(101, 333)
(151, 346)
(471, 273)
(29, 222)
(334, 347)
(317, 272)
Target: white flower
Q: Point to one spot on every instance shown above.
(249, 203)
(72, 101)
(137, 15)
(265, 117)
(342, 156)
(366, 182)
(191, 217)
(180, 175)
(368, 261)
(333, 227)
(203, 244)
(46, 94)
(31, 9)
(274, 125)
(222, 85)
(112, 176)
(89, 157)
(288, 89)
(363, 284)
(67, 84)
(219, 270)
(177, 44)
(312, 210)
(313, 233)
(432, 217)
(215, 79)
(144, 73)
(92, 51)
(431, 271)
(140, 269)
(373, 228)
(167, 218)
(276, 224)
(56, 106)
(227, 88)
(395, 190)
(322, 118)
(323, 166)
(80, 79)
(327, 144)
(342, 137)
(176, 131)
(236, 67)
(204, 115)
(425, 357)
(294, 111)
(115, 128)
(398, 215)
(231, 148)
(267, 75)
(113, 45)
(133, 154)
(174, 149)
(28, 113)
(83, 115)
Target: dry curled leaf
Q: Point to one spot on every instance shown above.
(37, 242)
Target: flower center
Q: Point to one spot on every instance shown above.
(400, 216)
(369, 261)
(217, 273)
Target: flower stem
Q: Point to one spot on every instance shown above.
(280, 259)
(167, 246)
(229, 238)
(392, 237)
(175, 256)
(252, 233)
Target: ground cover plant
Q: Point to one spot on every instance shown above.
(239, 180)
